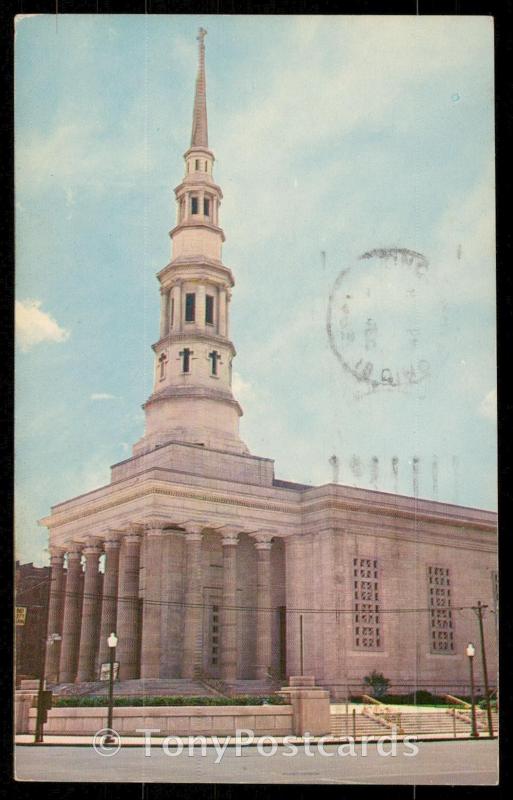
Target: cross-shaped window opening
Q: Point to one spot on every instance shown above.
(215, 357)
(185, 355)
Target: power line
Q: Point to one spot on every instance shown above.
(131, 599)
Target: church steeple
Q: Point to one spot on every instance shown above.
(192, 399)
(199, 135)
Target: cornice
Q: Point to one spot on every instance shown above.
(382, 510)
(193, 392)
(196, 148)
(153, 487)
(158, 489)
(181, 265)
(188, 225)
(402, 535)
(196, 181)
(182, 336)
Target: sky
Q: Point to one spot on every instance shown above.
(334, 137)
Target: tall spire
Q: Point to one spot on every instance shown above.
(199, 136)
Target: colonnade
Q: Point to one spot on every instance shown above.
(86, 606)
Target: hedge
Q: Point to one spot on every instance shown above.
(96, 701)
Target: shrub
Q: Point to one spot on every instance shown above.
(377, 682)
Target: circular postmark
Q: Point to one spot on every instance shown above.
(386, 319)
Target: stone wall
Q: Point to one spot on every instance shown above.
(179, 720)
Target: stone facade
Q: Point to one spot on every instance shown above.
(213, 567)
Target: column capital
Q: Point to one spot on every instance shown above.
(230, 536)
(74, 550)
(153, 526)
(112, 540)
(194, 531)
(92, 546)
(57, 553)
(133, 537)
(262, 539)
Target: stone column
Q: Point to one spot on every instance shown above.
(90, 612)
(264, 614)
(71, 617)
(164, 312)
(108, 622)
(55, 609)
(178, 326)
(193, 617)
(200, 306)
(221, 313)
(228, 610)
(128, 606)
(151, 623)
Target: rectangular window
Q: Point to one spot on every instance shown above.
(209, 309)
(190, 307)
(197, 164)
(206, 206)
(194, 205)
(440, 612)
(171, 312)
(366, 601)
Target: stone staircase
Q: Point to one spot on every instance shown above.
(151, 687)
(254, 688)
(379, 722)
(159, 687)
(359, 725)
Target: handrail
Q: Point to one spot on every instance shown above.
(456, 700)
(370, 699)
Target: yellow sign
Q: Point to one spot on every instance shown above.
(21, 615)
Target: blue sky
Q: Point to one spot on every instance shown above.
(333, 136)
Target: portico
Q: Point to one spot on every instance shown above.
(132, 602)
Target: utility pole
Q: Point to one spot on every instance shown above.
(479, 611)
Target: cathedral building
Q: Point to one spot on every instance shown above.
(208, 566)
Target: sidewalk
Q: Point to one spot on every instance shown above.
(138, 741)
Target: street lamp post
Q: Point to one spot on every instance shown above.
(471, 651)
(44, 698)
(112, 642)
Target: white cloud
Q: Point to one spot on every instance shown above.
(34, 325)
(488, 406)
(243, 390)
(103, 396)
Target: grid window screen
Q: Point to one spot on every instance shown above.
(366, 600)
(214, 639)
(440, 612)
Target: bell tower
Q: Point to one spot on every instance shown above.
(192, 399)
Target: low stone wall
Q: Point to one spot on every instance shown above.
(179, 720)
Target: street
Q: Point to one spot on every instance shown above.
(445, 763)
